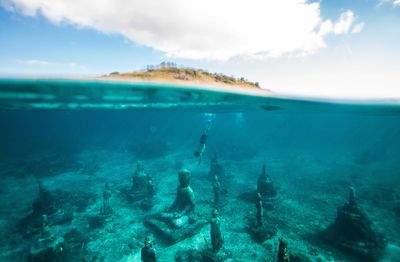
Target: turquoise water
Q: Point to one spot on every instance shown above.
(75, 136)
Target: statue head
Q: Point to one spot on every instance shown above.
(184, 177)
(352, 196)
(42, 189)
(264, 177)
(148, 243)
(264, 172)
(139, 166)
(215, 213)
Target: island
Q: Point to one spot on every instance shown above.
(168, 72)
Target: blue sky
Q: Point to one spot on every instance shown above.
(326, 48)
(65, 47)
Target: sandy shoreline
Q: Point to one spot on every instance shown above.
(208, 86)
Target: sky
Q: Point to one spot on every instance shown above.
(327, 48)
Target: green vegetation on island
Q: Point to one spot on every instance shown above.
(169, 72)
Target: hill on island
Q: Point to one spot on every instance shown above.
(169, 72)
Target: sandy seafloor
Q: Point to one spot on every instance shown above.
(298, 214)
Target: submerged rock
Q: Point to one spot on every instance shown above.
(353, 232)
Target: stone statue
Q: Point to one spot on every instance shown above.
(264, 184)
(352, 231)
(45, 227)
(139, 178)
(259, 230)
(216, 236)
(260, 210)
(148, 202)
(184, 203)
(216, 168)
(352, 197)
(148, 253)
(283, 254)
(150, 187)
(180, 220)
(139, 190)
(106, 209)
(266, 189)
(217, 190)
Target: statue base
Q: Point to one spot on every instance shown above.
(173, 230)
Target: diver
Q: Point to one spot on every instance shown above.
(202, 147)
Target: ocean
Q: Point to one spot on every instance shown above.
(91, 169)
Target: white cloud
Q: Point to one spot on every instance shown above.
(207, 29)
(345, 22)
(395, 3)
(358, 28)
(343, 26)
